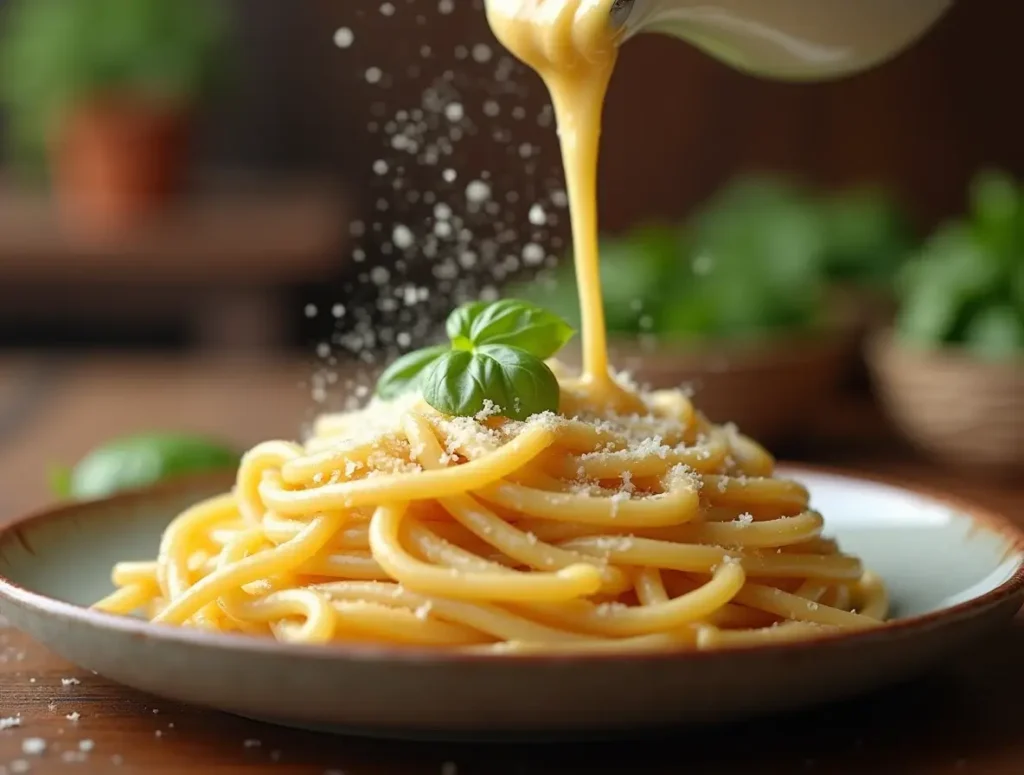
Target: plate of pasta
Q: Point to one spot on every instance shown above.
(620, 563)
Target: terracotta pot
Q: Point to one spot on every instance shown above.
(951, 404)
(769, 389)
(116, 161)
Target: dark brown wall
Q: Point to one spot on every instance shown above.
(678, 123)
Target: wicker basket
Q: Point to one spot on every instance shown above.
(956, 407)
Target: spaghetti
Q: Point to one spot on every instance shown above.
(626, 521)
(582, 530)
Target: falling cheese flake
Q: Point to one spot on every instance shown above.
(403, 237)
(478, 192)
(344, 37)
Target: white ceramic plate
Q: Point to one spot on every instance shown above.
(955, 573)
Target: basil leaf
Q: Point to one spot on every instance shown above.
(404, 374)
(516, 383)
(460, 324)
(459, 382)
(512, 323)
(531, 387)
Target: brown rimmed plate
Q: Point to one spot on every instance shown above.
(956, 573)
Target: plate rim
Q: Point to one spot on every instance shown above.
(16, 595)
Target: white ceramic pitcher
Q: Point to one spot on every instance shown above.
(788, 39)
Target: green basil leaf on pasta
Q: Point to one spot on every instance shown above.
(460, 324)
(512, 323)
(455, 384)
(404, 374)
(494, 379)
(530, 386)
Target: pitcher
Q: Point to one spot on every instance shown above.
(787, 39)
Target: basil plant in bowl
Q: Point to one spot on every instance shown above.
(951, 369)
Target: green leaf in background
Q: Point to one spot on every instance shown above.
(929, 314)
(966, 285)
(404, 374)
(509, 322)
(995, 212)
(516, 383)
(1017, 288)
(140, 461)
(867, 236)
(996, 333)
(634, 269)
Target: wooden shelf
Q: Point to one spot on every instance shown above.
(217, 262)
(232, 228)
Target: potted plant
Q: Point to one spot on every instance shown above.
(100, 95)
(951, 369)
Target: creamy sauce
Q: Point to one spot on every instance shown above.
(573, 47)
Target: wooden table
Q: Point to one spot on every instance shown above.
(964, 718)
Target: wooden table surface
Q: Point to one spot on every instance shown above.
(964, 718)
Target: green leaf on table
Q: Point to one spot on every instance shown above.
(495, 379)
(404, 374)
(143, 460)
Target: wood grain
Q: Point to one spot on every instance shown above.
(961, 719)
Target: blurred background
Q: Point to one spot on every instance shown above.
(212, 212)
